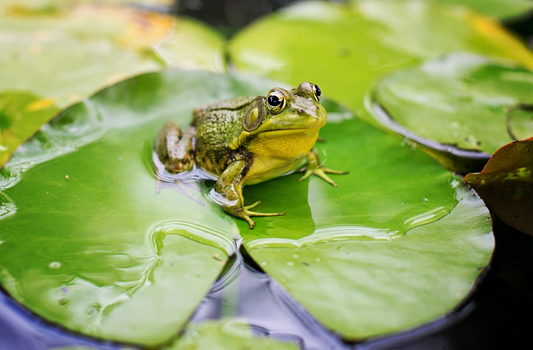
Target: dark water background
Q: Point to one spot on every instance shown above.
(498, 314)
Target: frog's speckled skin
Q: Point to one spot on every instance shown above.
(248, 140)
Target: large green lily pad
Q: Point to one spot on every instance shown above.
(92, 239)
(462, 100)
(344, 49)
(399, 243)
(112, 252)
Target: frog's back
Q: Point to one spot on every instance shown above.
(218, 127)
(233, 104)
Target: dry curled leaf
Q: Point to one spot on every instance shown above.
(506, 184)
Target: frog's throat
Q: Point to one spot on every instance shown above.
(278, 148)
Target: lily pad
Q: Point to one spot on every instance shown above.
(506, 184)
(344, 48)
(93, 238)
(21, 114)
(462, 101)
(502, 9)
(60, 54)
(399, 243)
(193, 45)
(51, 5)
(66, 53)
(226, 335)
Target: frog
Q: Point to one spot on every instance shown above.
(248, 140)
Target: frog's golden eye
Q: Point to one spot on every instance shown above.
(254, 115)
(275, 101)
(317, 91)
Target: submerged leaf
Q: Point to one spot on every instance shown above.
(506, 184)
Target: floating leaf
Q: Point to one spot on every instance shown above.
(506, 184)
(193, 45)
(501, 9)
(397, 244)
(21, 114)
(226, 335)
(66, 53)
(93, 240)
(344, 49)
(51, 5)
(94, 251)
(461, 102)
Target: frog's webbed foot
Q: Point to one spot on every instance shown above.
(247, 210)
(229, 186)
(321, 172)
(245, 213)
(313, 167)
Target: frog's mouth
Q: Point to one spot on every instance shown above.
(282, 132)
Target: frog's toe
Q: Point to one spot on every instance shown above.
(251, 206)
(243, 215)
(308, 173)
(321, 172)
(250, 222)
(331, 171)
(253, 213)
(246, 210)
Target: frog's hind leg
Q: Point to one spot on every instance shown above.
(175, 148)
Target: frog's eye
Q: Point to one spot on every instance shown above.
(317, 91)
(275, 101)
(254, 115)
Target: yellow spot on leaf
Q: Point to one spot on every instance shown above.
(40, 104)
(144, 29)
(495, 33)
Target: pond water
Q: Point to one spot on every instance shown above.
(273, 313)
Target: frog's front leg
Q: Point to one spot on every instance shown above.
(313, 166)
(229, 185)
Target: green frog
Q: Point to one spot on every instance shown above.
(248, 140)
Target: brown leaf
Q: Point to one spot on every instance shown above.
(506, 184)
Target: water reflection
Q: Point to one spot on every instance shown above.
(326, 234)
